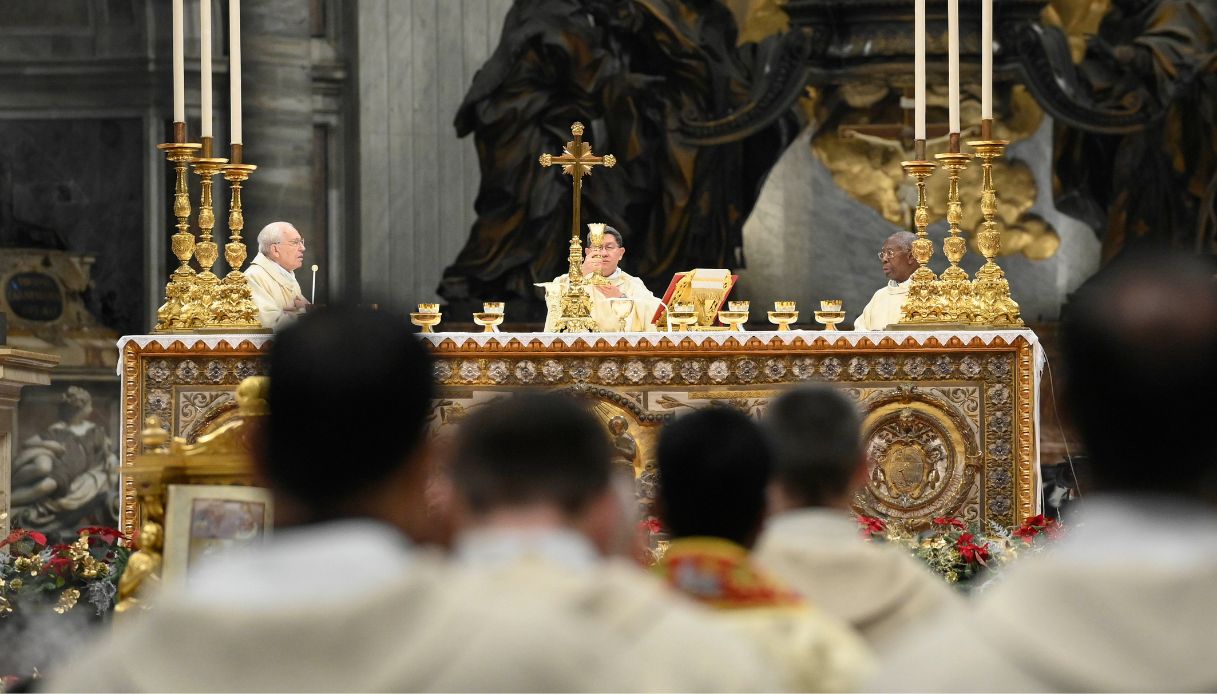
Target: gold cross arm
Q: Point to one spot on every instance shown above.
(577, 158)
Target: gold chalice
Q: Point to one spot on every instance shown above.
(622, 307)
(682, 315)
(735, 316)
(783, 314)
(490, 316)
(830, 314)
(427, 317)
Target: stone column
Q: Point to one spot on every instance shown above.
(18, 368)
(278, 124)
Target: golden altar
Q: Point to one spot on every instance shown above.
(951, 417)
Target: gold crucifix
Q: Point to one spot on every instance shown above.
(577, 161)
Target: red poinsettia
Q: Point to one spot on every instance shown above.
(1036, 525)
(871, 526)
(970, 551)
(107, 535)
(650, 525)
(19, 534)
(951, 522)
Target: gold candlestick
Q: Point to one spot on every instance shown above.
(170, 316)
(237, 307)
(576, 161)
(955, 285)
(206, 251)
(924, 301)
(991, 291)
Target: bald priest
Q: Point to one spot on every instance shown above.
(604, 261)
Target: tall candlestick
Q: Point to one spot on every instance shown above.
(179, 64)
(919, 71)
(234, 70)
(205, 66)
(953, 64)
(986, 60)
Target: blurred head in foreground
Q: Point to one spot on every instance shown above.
(1139, 341)
(349, 388)
(537, 461)
(714, 465)
(816, 437)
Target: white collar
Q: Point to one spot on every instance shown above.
(274, 267)
(893, 284)
(498, 546)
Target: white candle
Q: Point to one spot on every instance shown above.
(919, 71)
(179, 64)
(953, 62)
(205, 66)
(313, 294)
(234, 69)
(986, 59)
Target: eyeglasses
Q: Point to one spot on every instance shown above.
(293, 242)
(886, 254)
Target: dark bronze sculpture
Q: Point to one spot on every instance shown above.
(636, 72)
(1157, 183)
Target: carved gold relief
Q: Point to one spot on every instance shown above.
(868, 168)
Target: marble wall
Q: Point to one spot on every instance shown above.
(418, 182)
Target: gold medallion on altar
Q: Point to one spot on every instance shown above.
(906, 469)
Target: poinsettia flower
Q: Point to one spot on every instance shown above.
(970, 551)
(650, 525)
(871, 525)
(110, 535)
(20, 534)
(950, 522)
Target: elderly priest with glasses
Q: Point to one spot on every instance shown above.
(620, 301)
(271, 275)
(898, 265)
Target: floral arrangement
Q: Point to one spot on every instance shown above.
(964, 554)
(34, 576)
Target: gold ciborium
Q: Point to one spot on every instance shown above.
(735, 315)
(427, 317)
(783, 314)
(490, 316)
(830, 314)
(682, 315)
(622, 308)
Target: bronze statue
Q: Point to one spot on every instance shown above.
(1157, 183)
(636, 72)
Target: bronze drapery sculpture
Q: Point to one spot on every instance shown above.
(635, 71)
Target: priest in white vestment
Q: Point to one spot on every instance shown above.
(540, 516)
(812, 540)
(898, 266)
(618, 284)
(271, 275)
(1127, 600)
(346, 599)
(714, 465)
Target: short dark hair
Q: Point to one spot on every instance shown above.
(713, 469)
(527, 449)
(609, 231)
(349, 391)
(816, 436)
(1139, 342)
